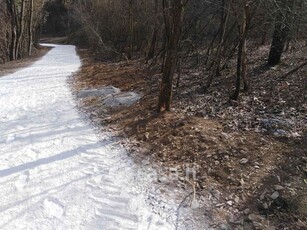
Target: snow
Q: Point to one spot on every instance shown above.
(111, 96)
(121, 99)
(101, 92)
(55, 172)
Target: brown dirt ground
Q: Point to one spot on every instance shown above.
(242, 167)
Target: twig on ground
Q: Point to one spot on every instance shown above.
(294, 70)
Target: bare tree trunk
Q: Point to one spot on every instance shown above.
(178, 71)
(131, 27)
(281, 31)
(30, 29)
(241, 60)
(164, 45)
(263, 37)
(11, 9)
(173, 12)
(218, 56)
(278, 43)
(20, 30)
(244, 68)
(224, 22)
(151, 50)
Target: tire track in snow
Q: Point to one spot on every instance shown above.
(54, 171)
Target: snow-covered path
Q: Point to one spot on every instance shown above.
(54, 171)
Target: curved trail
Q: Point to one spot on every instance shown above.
(54, 171)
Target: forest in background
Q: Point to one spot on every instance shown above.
(174, 34)
(189, 34)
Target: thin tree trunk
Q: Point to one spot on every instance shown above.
(151, 51)
(30, 31)
(173, 27)
(218, 56)
(11, 9)
(178, 72)
(241, 60)
(20, 30)
(263, 37)
(224, 22)
(131, 28)
(152, 48)
(244, 68)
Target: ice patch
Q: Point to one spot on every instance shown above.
(101, 92)
(122, 99)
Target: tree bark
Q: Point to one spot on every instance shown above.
(131, 28)
(173, 26)
(278, 43)
(20, 30)
(11, 9)
(30, 29)
(281, 32)
(241, 60)
(218, 56)
(151, 50)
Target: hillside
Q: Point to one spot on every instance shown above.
(249, 156)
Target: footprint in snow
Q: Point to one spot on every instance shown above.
(22, 181)
(53, 207)
(10, 138)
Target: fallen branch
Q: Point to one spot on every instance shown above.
(294, 70)
(179, 207)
